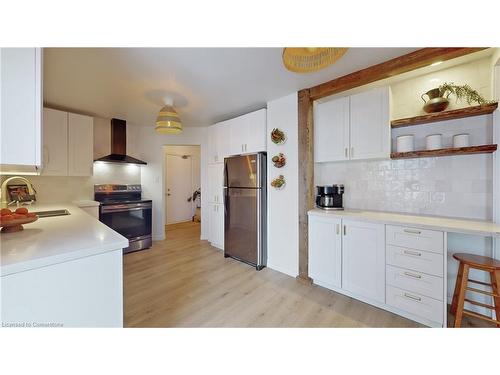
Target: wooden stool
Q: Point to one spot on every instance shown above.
(486, 264)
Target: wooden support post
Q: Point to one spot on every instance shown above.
(306, 178)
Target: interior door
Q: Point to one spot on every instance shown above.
(178, 188)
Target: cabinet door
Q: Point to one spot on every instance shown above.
(331, 130)
(363, 259)
(212, 144)
(55, 142)
(238, 134)
(80, 145)
(325, 251)
(254, 125)
(370, 134)
(215, 183)
(223, 140)
(220, 226)
(21, 108)
(216, 216)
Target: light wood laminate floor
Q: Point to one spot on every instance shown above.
(185, 282)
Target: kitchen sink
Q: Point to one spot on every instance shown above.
(52, 213)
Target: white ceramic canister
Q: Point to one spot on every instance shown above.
(434, 141)
(405, 143)
(461, 140)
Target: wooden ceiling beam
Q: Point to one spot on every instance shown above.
(398, 65)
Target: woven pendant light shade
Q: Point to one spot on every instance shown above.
(168, 121)
(305, 60)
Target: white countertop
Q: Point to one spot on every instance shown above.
(52, 240)
(446, 224)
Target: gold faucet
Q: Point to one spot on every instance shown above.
(3, 189)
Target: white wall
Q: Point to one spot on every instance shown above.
(283, 206)
(150, 146)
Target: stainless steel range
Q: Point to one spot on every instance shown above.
(123, 210)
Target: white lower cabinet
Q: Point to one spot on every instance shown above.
(416, 304)
(325, 251)
(216, 214)
(363, 259)
(352, 257)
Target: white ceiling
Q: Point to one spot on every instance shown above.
(207, 84)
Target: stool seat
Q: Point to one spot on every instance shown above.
(481, 263)
(478, 261)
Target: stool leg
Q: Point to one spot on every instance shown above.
(461, 296)
(495, 285)
(454, 301)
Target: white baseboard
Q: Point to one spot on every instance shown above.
(282, 270)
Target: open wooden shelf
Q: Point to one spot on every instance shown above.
(484, 149)
(445, 115)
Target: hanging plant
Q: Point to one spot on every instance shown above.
(278, 136)
(278, 182)
(462, 92)
(279, 160)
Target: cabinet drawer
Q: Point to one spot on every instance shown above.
(416, 260)
(415, 238)
(414, 303)
(414, 281)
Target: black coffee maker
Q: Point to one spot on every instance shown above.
(329, 197)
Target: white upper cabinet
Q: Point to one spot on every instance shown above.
(68, 144)
(55, 142)
(253, 131)
(80, 145)
(353, 127)
(370, 133)
(363, 259)
(241, 135)
(21, 109)
(325, 251)
(331, 130)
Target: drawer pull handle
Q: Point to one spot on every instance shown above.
(412, 231)
(413, 275)
(414, 253)
(415, 298)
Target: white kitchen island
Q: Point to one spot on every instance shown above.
(400, 263)
(63, 271)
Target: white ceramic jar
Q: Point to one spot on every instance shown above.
(434, 141)
(461, 140)
(405, 143)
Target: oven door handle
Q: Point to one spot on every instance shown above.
(122, 207)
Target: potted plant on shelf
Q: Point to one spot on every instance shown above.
(438, 97)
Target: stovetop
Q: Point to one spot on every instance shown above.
(108, 194)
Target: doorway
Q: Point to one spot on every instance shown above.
(182, 184)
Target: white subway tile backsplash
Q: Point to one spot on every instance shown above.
(459, 186)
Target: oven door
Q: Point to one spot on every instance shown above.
(131, 220)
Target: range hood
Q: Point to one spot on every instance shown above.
(119, 145)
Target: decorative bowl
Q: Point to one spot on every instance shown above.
(16, 225)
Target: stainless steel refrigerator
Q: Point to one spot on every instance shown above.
(245, 214)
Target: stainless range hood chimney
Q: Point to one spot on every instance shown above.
(119, 145)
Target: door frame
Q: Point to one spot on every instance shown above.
(162, 181)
